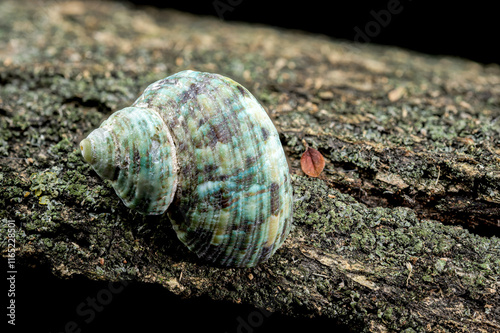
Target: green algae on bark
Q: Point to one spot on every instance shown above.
(380, 241)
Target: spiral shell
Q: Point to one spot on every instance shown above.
(199, 147)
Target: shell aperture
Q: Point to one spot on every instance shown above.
(199, 147)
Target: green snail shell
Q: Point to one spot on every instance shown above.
(199, 147)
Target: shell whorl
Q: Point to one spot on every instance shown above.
(232, 197)
(138, 158)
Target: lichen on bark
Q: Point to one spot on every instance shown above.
(396, 234)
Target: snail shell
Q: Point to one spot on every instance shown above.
(199, 147)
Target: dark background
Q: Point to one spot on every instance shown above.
(467, 30)
(45, 304)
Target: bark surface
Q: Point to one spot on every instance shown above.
(397, 233)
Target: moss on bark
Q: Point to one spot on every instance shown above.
(396, 234)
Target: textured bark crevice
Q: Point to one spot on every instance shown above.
(398, 233)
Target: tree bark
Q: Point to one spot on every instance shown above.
(397, 233)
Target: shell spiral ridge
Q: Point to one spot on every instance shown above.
(230, 197)
(137, 157)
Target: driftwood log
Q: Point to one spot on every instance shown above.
(399, 232)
